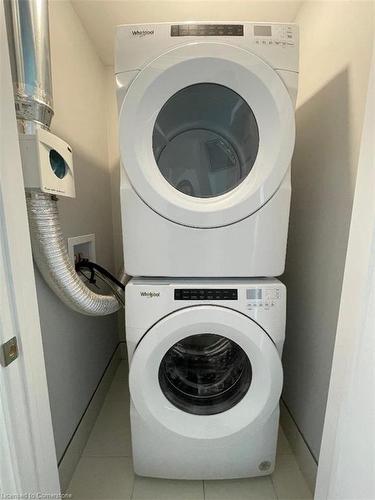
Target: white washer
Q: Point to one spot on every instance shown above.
(205, 376)
(206, 131)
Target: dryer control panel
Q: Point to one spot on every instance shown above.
(282, 35)
(138, 44)
(275, 35)
(207, 30)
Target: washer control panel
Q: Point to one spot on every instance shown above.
(262, 297)
(206, 294)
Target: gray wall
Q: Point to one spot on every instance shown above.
(76, 351)
(336, 42)
(78, 348)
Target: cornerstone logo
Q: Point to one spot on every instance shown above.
(142, 33)
(150, 295)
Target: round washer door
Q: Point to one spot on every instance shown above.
(205, 372)
(207, 133)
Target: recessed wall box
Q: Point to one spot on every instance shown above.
(47, 163)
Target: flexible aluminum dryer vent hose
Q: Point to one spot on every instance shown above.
(52, 259)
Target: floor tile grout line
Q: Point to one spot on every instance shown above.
(274, 488)
(133, 488)
(204, 490)
(114, 393)
(106, 456)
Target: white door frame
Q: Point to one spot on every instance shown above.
(28, 462)
(347, 459)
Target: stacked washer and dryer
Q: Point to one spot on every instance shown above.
(207, 131)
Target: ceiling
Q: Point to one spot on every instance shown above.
(100, 17)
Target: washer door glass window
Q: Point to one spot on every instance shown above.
(205, 374)
(205, 140)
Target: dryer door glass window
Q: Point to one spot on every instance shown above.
(205, 140)
(205, 374)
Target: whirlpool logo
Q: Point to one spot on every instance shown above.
(150, 295)
(142, 33)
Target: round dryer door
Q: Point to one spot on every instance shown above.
(205, 372)
(206, 134)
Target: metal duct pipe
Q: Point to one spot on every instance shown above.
(29, 50)
(28, 37)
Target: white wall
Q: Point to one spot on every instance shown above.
(78, 348)
(336, 44)
(114, 172)
(347, 458)
(114, 163)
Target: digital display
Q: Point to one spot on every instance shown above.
(206, 294)
(207, 30)
(254, 294)
(262, 30)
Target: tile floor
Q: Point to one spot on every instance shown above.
(105, 470)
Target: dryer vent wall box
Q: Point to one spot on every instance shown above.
(47, 163)
(206, 134)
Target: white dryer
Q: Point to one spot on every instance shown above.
(206, 134)
(205, 376)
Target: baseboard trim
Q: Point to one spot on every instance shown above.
(303, 455)
(73, 452)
